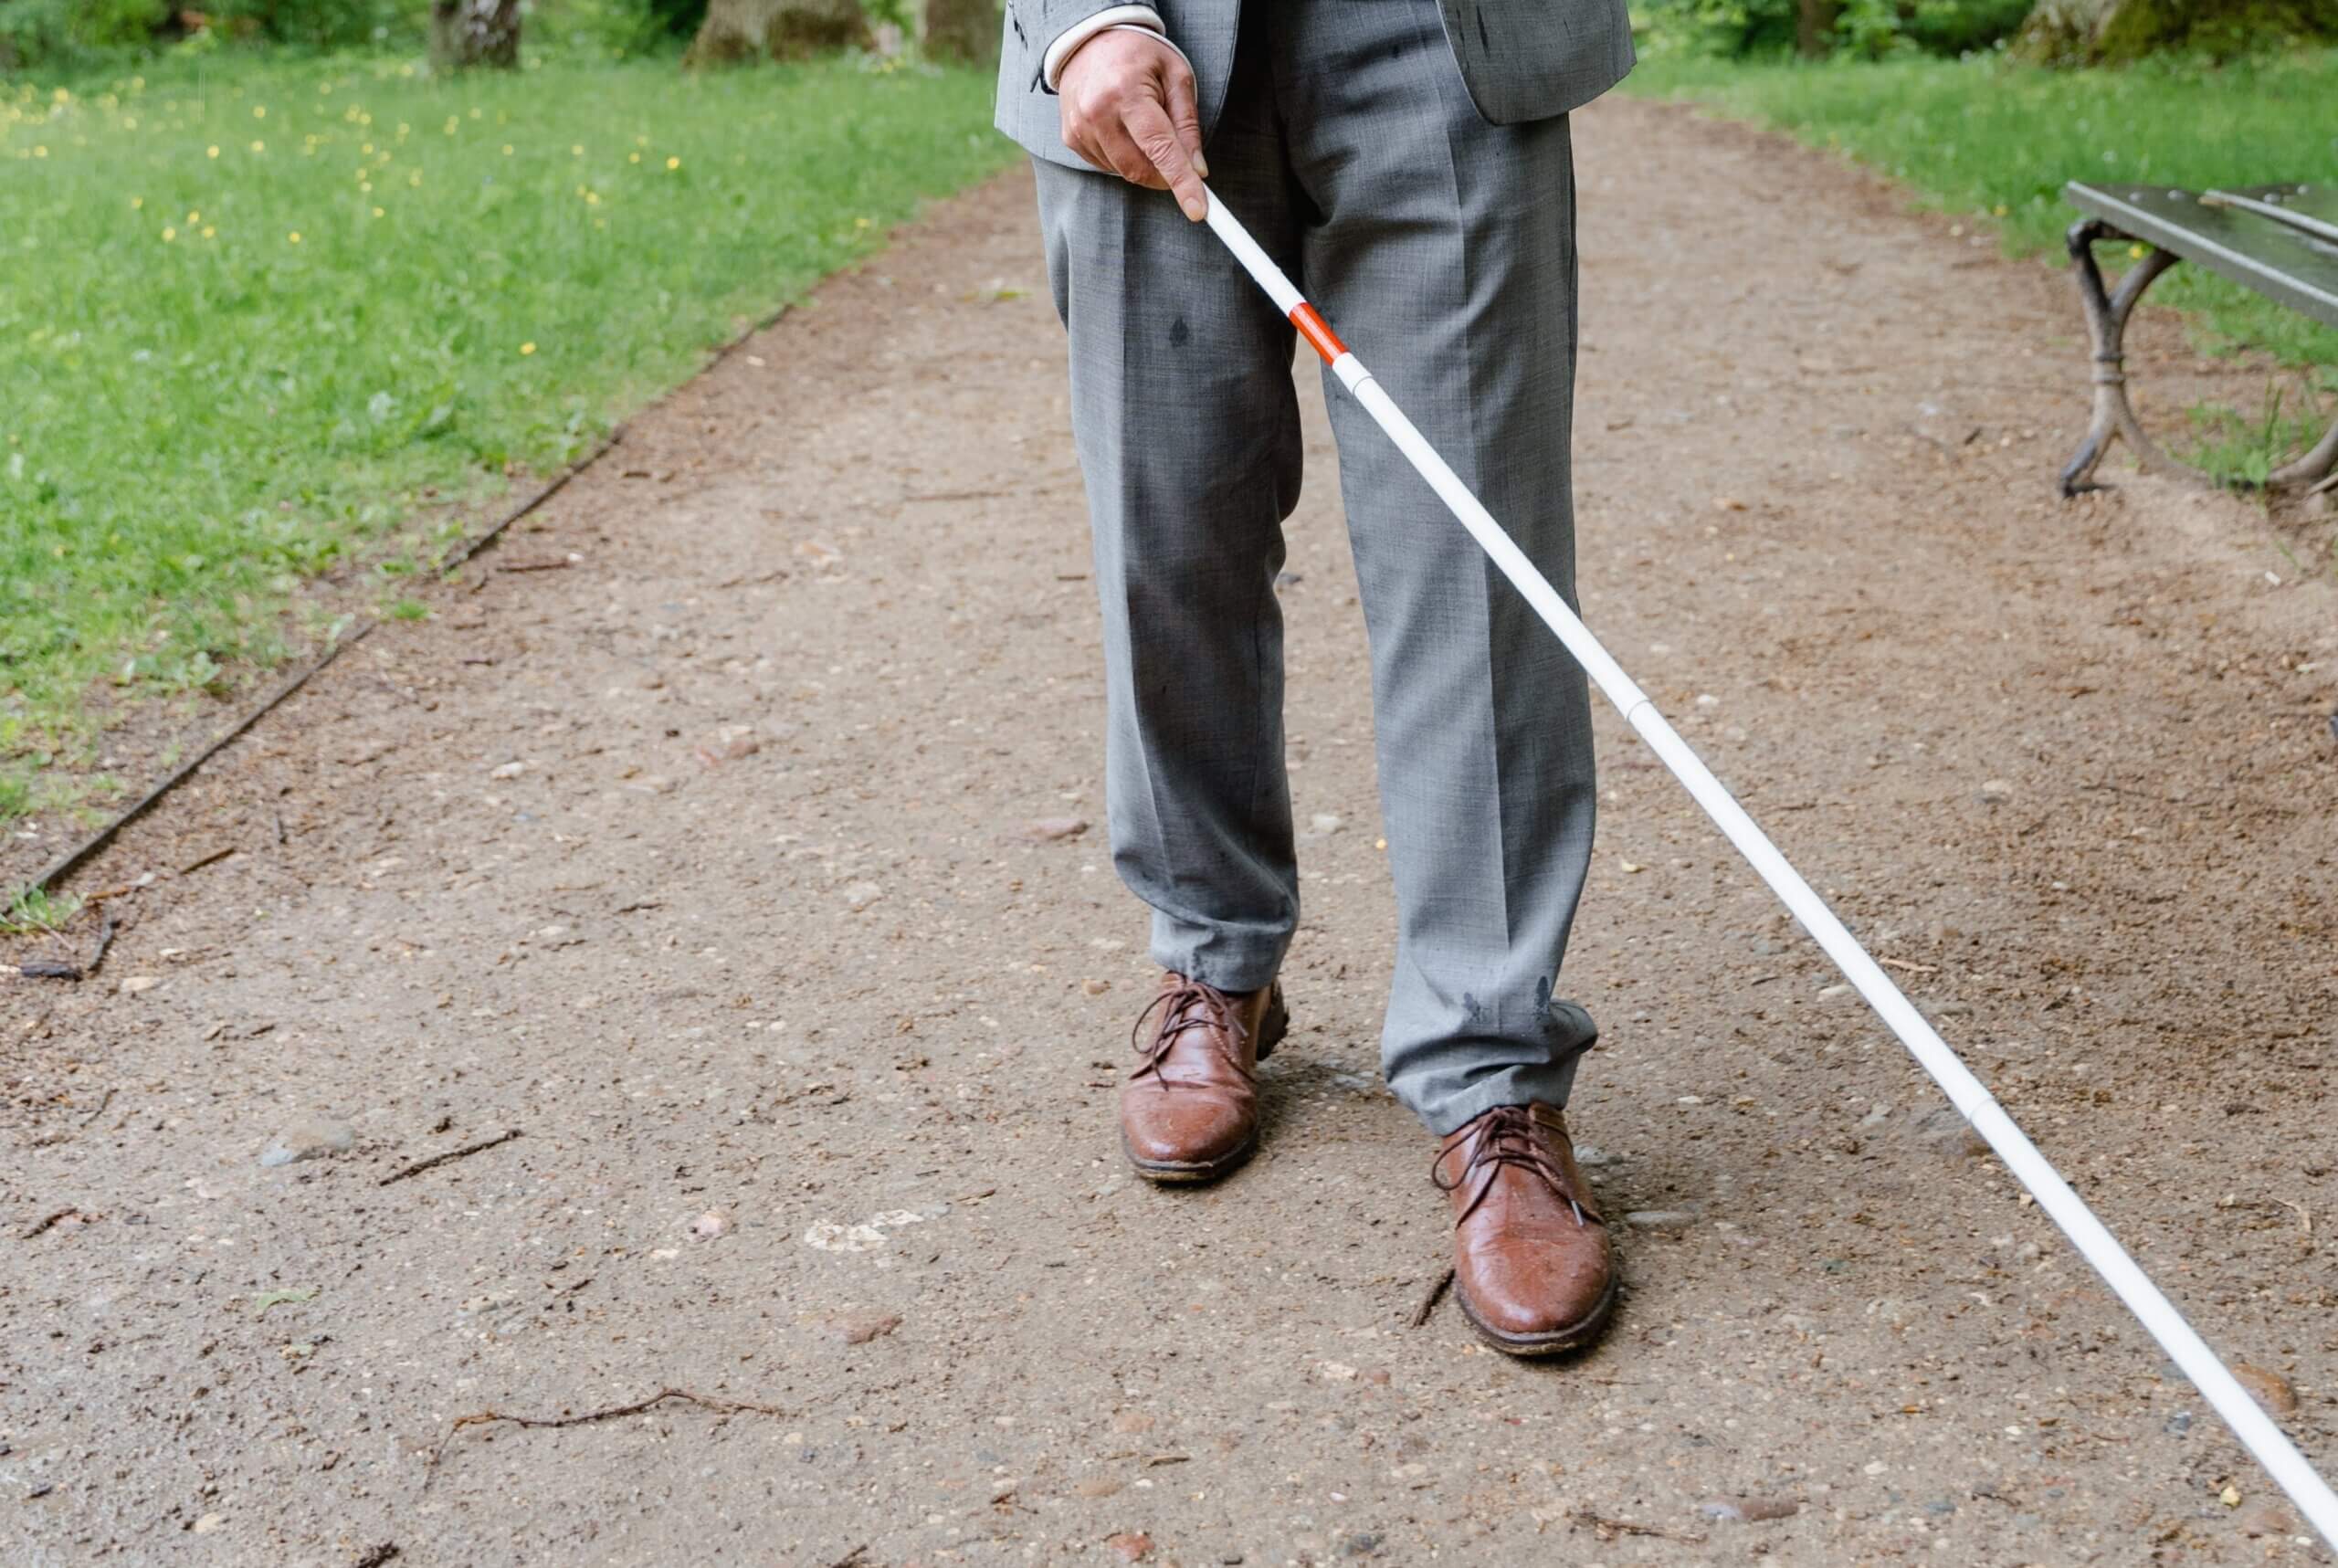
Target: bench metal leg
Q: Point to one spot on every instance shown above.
(2114, 416)
(2106, 327)
(2316, 471)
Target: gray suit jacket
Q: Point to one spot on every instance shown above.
(1521, 60)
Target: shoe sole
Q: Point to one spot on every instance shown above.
(1551, 1342)
(1184, 1173)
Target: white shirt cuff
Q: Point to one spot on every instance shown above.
(1067, 42)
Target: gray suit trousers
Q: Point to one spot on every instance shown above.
(1442, 248)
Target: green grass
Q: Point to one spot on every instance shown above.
(255, 312)
(1996, 141)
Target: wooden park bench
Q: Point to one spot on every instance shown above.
(2279, 240)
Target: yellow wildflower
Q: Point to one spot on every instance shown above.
(527, 349)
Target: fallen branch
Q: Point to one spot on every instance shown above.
(436, 1160)
(1429, 1299)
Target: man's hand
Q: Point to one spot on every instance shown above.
(1129, 109)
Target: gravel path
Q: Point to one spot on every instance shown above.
(703, 862)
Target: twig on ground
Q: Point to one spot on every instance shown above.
(50, 969)
(561, 564)
(1429, 1298)
(1609, 1529)
(192, 867)
(852, 1558)
(611, 1413)
(437, 1160)
(376, 1556)
(106, 930)
(107, 1099)
(43, 1226)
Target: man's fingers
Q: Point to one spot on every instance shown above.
(1149, 127)
(1186, 114)
(1123, 157)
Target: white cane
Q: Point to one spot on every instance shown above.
(2256, 1431)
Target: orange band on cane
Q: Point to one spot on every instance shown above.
(1320, 336)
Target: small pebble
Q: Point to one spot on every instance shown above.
(858, 896)
(1996, 791)
(859, 1327)
(1325, 822)
(2265, 1517)
(2269, 1389)
(1746, 1510)
(1130, 1545)
(138, 982)
(1659, 1219)
(309, 1141)
(1941, 1130)
(709, 1225)
(1053, 829)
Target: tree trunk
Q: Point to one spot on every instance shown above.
(467, 33)
(1814, 27)
(2113, 32)
(964, 30)
(782, 29)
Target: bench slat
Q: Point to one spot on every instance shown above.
(2285, 264)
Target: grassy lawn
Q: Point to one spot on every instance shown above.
(251, 309)
(1996, 141)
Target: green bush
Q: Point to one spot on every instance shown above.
(1867, 29)
(35, 32)
(317, 23)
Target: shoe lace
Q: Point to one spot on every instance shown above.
(1188, 1004)
(1507, 1138)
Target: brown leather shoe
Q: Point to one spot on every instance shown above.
(1531, 1263)
(1190, 1113)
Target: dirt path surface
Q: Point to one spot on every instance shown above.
(699, 858)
